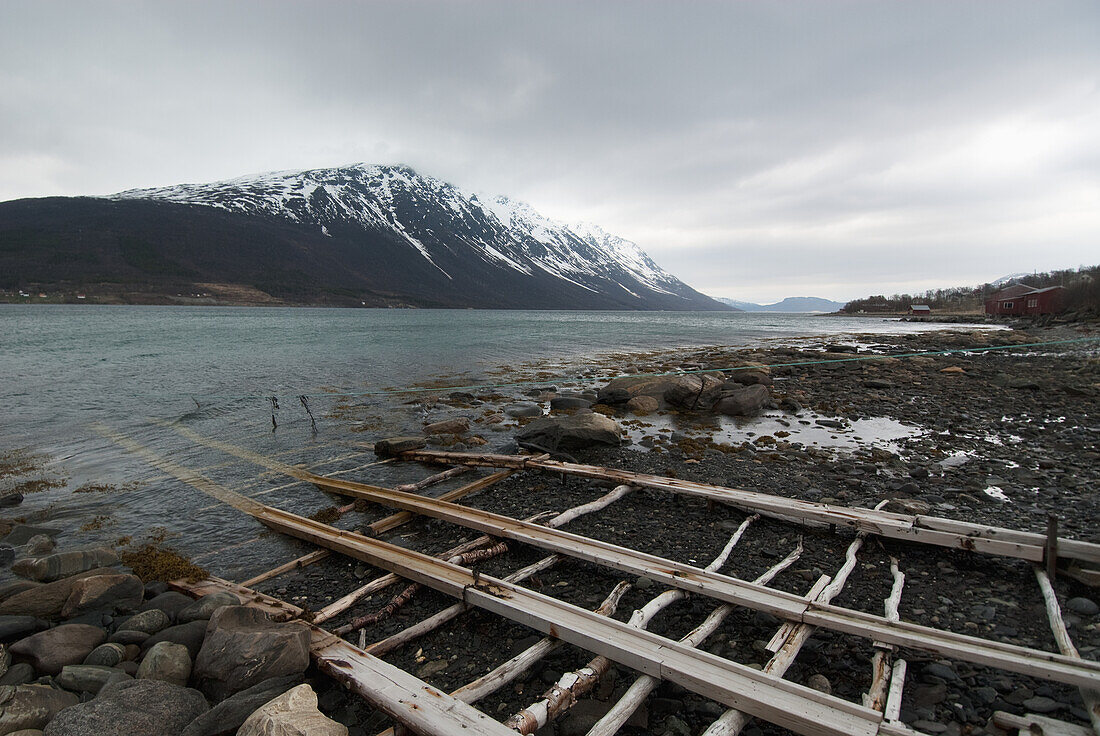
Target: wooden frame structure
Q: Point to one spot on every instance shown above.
(746, 691)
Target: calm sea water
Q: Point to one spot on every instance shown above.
(70, 374)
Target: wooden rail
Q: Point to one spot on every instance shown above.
(915, 528)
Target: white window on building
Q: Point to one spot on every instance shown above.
(1006, 305)
(1032, 303)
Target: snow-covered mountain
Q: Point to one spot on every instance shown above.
(426, 232)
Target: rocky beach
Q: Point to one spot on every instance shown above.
(934, 423)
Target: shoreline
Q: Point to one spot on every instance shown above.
(1005, 421)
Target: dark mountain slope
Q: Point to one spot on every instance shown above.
(380, 235)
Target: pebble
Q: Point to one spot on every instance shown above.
(1083, 606)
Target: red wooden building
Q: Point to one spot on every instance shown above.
(1021, 299)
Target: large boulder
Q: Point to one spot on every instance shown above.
(150, 622)
(743, 401)
(166, 661)
(523, 410)
(203, 608)
(106, 655)
(244, 647)
(44, 601)
(190, 634)
(620, 390)
(457, 425)
(17, 627)
(48, 651)
(642, 405)
(571, 432)
(227, 716)
(698, 391)
(31, 706)
(111, 593)
(294, 713)
(64, 564)
(171, 603)
(132, 708)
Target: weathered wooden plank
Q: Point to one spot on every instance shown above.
(303, 561)
(925, 529)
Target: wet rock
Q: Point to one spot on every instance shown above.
(88, 678)
(908, 506)
(569, 402)
(643, 405)
(7, 555)
(622, 389)
(448, 426)
(166, 661)
(190, 635)
(750, 378)
(10, 588)
(104, 593)
(294, 713)
(171, 603)
(39, 545)
(571, 432)
(132, 708)
(128, 636)
(18, 674)
(64, 564)
(693, 392)
(1040, 704)
(205, 607)
(820, 683)
(149, 622)
(227, 716)
(44, 601)
(244, 647)
(106, 655)
(522, 409)
(23, 533)
(743, 402)
(396, 445)
(17, 627)
(1083, 606)
(939, 671)
(10, 499)
(31, 706)
(48, 651)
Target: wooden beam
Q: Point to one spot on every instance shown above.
(925, 529)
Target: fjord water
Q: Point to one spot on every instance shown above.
(76, 378)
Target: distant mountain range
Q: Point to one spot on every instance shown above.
(361, 234)
(790, 304)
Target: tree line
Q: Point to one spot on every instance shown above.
(1082, 287)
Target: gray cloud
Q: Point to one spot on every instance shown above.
(754, 149)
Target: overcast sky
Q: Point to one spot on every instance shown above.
(754, 149)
